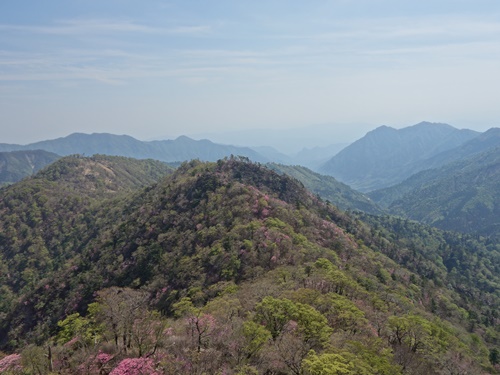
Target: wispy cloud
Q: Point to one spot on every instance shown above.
(103, 26)
(349, 45)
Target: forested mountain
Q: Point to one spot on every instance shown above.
(16, 165)
(387, 156)
(328, 188)
(180, 149)
(462, 196)
(229, 267)
(45, 219)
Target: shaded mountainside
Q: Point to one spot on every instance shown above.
(229, 266)
(16, 165)
(180, 149)
(462, 196)
(387, 156)
(329, 189)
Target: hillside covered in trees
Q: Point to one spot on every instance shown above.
(117, 266)
(463, 196)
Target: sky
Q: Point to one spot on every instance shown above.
(159, 69)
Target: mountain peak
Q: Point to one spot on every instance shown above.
(386, 156)
(429, 123)
(184, 138)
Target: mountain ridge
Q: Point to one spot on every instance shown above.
(386, 156)
(181, 149)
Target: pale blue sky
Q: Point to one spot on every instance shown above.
(156, 69)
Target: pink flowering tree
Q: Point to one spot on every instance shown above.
(135, 366)
(200, 327)
(11, 364)
(100, 363)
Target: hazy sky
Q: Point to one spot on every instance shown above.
(156, 69)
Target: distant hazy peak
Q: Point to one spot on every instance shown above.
(382, 129)
(184, 138)
(434, 124)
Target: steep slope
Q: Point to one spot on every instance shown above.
(254, 273)
(329, 189)
(462, 196)
(16, 165)
(386, 156)
(180, 149)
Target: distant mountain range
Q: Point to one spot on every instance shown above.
(386, 156)
(180, 149)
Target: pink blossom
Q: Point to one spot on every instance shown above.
(104, 357)
(11, 362)
(135, 366)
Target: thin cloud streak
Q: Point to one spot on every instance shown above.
(98, 26)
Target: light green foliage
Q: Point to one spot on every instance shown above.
(360, 360)
(341, 312)
(280, 314)
(86, 330)
(417, 333)
(256, 336)
(275, 314)
(184, 307)
(327, 364)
